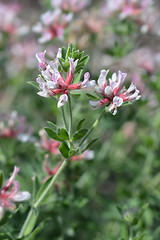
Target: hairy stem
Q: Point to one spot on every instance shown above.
(64, 118)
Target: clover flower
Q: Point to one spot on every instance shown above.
(8, 17)
(51, 81)
(10, 193)
(13, 126)
(52, 24)
(70, 5)
(113, 92)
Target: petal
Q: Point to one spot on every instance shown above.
(22, 196)
(117, 101)
(63, 98)
(43, 94)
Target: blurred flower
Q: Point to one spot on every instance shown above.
(51, 81)
(52, 25)
(8, 17)
(70, 5)
(22, 57)
(45, 143)
(10, 193)
(113, 92)
(13, 126)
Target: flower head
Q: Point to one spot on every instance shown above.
(52, 25)
(51, 80)
(13, 126)
(10, 193)
(113, 92)
(70, 5)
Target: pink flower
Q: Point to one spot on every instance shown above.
(52, 25)
(13, 126)
(10, 193)
(50, 145)
(70, 5)
(113, 92)
(52, 83)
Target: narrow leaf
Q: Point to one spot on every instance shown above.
(91, 96)
(52, 134)
(78, 76)
(90, 144)
(79, 134)
(52, 125)
(79, 126)
(1, 179)
(64, 149)
(35, 84)
(63, 134)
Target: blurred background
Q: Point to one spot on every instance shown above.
(115, 195)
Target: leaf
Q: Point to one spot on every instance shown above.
(52, 125)
(52, 134)
(79, 126)
(36, 186)
(75, 96)
(79, 134)
(43, 188)
(36, 231)
(63, 134)
(64, 149)
(35, 84)
(64, 51)
(91, 96)
(78, 76)
(90, 144)
(84, 60)
(76, 54)
(72, 152)
(1, 179)
(31, 224)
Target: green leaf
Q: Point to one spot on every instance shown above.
(36, 231)
(90, 144)
(64, 149)
(52, 125)
(75, 54)
(43, 188)
(1, 179)
(91, 96)
(35, 84)
(79, 126)
(52, 134)
(63, 134)
(83, 60)
(78, 76)
(31, 224)
(79, 134)
(64, 51)
(75, 96)
(72, 152)
(36, 186)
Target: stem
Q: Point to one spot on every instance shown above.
(64, 118)
(70, 118)
(92, 128)
(36, 204)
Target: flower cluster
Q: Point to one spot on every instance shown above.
(51, 81)
(112, 91)
(13, 126)
(52, 24)
(8, 17)
(10, 193)
(70, 5)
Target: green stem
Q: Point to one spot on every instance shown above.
(92, 128)
(64, 118)
(70, 118)
(36, 204)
